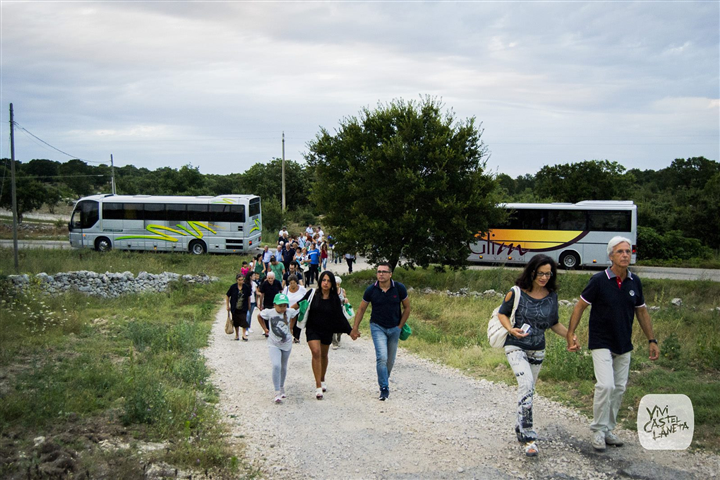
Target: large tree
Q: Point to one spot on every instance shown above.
(588, 180)
(404, 181)
(30, 193)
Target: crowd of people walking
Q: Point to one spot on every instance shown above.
(278, 285)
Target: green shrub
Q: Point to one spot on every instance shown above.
(144, 399)
(671, 348)
(566, 366)
(672, 245)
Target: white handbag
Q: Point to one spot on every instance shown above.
(496, 333)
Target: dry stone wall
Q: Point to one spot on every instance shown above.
(105, 285)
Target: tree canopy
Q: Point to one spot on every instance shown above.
(404, 181)
(588, 180)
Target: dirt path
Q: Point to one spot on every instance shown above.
(438, 423)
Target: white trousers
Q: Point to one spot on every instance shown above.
(526, 365)
(611, 374)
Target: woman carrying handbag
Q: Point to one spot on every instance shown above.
(324, 317)
(537, 310)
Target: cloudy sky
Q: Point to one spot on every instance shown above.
(214, 84)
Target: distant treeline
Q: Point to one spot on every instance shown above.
(679, 206)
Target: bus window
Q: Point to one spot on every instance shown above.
(254, 207)
(113, 211)
(86, 214)
(133, 211)
(609, 220)
(227, 213)
(155, 212)
(197, 213)
(574, 220)
(530, 219)
(176, 212)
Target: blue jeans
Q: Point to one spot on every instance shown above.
(249, 318)
(386, 345)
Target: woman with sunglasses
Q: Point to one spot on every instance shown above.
(537, 311)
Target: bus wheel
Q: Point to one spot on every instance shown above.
(569, 260)
(197, 247)
(102, 244)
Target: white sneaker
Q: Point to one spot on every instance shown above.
(249, 330)
(324, 386)
(319, 394)
(278, 398)
(598, 441)
(612, 439)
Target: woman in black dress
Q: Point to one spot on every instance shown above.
(324, 319)
(237, 302)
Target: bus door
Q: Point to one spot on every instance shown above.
(84, 217)
(133, 226)
(229, 223)
(154, 217)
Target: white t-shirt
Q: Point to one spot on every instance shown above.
(309, 230)
(279, 333)
(294, 298)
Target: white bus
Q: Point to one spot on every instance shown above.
(226, 223)
(571, 234)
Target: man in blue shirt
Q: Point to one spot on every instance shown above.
(386, 321)
(267, 255)
(616, 297)
(314, 256)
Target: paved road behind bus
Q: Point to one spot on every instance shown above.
(362, 264)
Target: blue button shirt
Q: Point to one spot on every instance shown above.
(386, 305)
(613, 310)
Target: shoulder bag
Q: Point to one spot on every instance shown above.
(229, 329)
(496, 333)
(304, 306)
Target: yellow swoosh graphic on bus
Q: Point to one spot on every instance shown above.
(533, 240)
(162, 236)
(224, 200)
(256, 227)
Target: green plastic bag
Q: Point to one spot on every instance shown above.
(405, 332)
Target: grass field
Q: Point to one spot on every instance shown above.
(125, 371)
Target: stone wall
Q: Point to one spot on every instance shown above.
(106, 285)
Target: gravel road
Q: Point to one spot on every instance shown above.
(437, 424)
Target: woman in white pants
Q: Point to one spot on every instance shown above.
(525, 345)
(280, 320)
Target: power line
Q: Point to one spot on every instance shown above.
(62, 176)
(51, 146)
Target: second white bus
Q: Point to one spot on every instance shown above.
(222, 224)
(571, 234)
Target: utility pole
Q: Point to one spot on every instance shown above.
(283, 172)
(13, 193)
(112, 174)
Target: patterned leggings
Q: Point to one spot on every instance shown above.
(526, 366)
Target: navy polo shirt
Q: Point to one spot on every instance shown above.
(385, 305)
(613, 310)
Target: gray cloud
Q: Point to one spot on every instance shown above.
(215, 84)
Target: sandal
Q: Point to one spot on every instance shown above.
(319, 394)
(531, 449)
